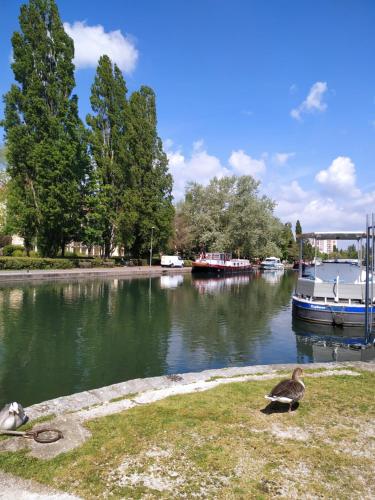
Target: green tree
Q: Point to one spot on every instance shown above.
(298, 228)
(46, 148)
(3, 161)
(351, 252)
(108, 147)
(229, 215)
(288, 243)
(149, 180)
(182, 238)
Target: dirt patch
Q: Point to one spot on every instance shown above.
(294, 433)
(169, 471)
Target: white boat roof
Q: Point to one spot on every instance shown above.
(334, 235)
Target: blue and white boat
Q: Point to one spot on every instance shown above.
(334, 300)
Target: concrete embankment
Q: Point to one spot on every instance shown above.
(72, 274)
(69, 413)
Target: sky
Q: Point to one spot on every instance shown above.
(283, 90)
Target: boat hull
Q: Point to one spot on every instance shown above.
(204, 268)
(330, 314)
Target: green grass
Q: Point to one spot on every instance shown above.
(130, 395)
(218, 444)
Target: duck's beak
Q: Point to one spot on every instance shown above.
(14, 408)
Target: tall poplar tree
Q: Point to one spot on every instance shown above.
(108, 149)
(298, 228)
(151, 183)
(45, 138)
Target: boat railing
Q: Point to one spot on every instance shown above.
(215, 256)
(331, 290)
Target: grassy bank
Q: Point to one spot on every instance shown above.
(220, 444)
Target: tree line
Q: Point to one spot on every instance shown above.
(230, 215)
(105, 184)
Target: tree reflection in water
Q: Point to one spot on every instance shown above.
(58, 338)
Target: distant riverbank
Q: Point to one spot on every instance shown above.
(112, 272)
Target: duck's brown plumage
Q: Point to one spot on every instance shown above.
(288, 391)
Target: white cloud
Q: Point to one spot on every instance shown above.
(293, 88)
(91, 42)
(320, 213)
(199, 167)
(337, 204)
(283, 158)
(198, 145)
(243, 164)
(334, 202)
(340, 176)
(313, 102)
(168, 143)
(292, 192)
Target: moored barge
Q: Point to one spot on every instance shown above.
(220, 263)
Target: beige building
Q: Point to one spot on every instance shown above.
(324, 246)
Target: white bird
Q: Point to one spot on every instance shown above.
(288, 391)
(12, 416)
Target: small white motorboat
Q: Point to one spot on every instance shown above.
(272, 264)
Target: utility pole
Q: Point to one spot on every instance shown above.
(152, 233)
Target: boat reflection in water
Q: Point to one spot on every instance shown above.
(272, 276)
(171, 281)
(217, 285)
(323, 343)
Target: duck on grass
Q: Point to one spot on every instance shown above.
(288, 391)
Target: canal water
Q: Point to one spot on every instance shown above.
(57, 338)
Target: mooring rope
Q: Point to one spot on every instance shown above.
(53, 435)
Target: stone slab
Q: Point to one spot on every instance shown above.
(94, 397)
(13, 487)
(69, 274)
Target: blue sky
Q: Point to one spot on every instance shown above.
(283, 90)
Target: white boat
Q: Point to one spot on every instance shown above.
(271, 264)
(334, 302)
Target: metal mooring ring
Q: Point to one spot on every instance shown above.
(53, 435)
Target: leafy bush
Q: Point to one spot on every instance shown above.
(98, 262)
(21, 262)
(9, 249)
(70, 255)
(13, 263)
(18, 253)
(187, 263)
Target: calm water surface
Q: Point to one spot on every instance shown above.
(59, 338)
